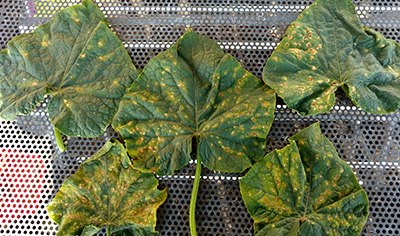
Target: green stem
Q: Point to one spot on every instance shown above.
(192, 215)
(59, 140)
(108, 230)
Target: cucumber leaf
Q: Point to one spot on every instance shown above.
(76, 58)
(107, 190)
(327, 48)
(194, 90)
(305, 189)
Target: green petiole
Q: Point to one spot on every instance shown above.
(59, 140)
(108, 230)
(192, 215)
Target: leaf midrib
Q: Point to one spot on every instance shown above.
(195, 93)
(336, 51)
(341, 199)
(66, 73)
(308, 217)
(160, 94)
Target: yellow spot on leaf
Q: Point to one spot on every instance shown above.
(67, 103)
(296, 50)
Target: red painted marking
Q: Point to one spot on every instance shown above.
(21, 184)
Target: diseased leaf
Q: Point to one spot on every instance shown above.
(327, 48)
(76, 58)
(305, 189)
(107, 190)
(194, 90)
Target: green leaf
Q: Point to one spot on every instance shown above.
(107, 190)
(76, 58)
(194, 90)
(327, 48)
(305, 189)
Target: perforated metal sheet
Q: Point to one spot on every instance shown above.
(32, 169)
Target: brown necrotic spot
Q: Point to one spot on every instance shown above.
(312, 51)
